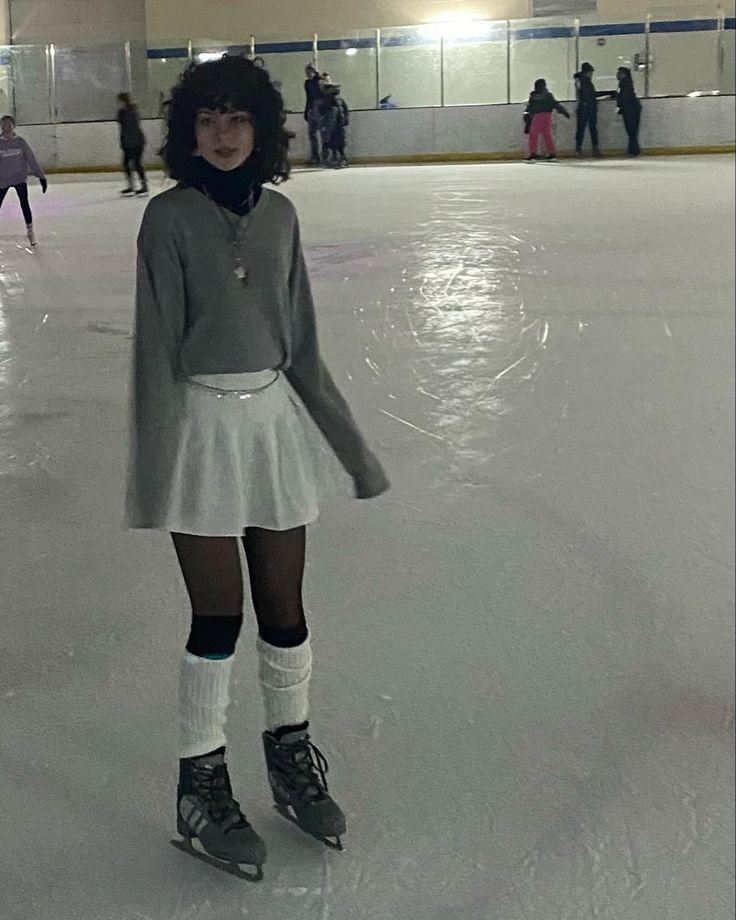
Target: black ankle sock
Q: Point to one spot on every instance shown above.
(287, 729)
(220, 750)
(284, 637)
(214, 636)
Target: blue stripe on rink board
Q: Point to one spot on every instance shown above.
(685, 25)
(542, 32)
(155, 54)
(616, 28)
(284, 47)
(731, 22)
(342, 44)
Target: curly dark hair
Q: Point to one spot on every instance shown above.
(228, 84)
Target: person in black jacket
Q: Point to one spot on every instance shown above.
(313, 110)
(629, 108)
(538, 119)
(587, 110)
(132, 143)
(335, 119)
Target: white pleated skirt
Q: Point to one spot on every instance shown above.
(248, 455)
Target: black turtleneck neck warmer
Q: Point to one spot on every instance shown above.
(238, 190)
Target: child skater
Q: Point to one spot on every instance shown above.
(538, 119)
(339, 138)
(237, 425)
(17, 162)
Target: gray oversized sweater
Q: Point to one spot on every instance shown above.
(195, 316)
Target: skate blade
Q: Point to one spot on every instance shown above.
(332, 843)
(186, 846)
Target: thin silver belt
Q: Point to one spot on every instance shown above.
(221, 393)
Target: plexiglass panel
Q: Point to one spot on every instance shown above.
(410, 66)
(728, 74)
(24, 84)
(476, 63)
(285, 61)
(542, 50)
(163, 74)
(607, 52)
(88, 80)
(684, 53)
(352, 63)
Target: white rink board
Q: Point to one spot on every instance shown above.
(666, 123)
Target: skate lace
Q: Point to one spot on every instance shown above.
(213, 784)
(307, 770)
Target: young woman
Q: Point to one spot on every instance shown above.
(538, 119)
(629, 108)
(17, 162)
(132, 143)
(238, 428)
(587, 110)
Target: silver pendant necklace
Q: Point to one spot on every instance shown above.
(236, 233)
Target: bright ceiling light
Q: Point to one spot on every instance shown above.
(351, 52)
(209, 56)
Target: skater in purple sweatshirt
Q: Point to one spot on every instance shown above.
(17, 162)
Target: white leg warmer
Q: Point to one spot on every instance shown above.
(203, 701)
(284, 675)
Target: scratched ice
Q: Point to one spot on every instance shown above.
(524, 651)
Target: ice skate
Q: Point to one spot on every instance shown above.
(128, 191)
(142, 191)
(207, 811)
(297, 772)
(31, 235)
(597, 152)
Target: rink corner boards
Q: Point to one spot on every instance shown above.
(429, 158)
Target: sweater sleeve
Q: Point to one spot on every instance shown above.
(559, 107)
(315, 387)
(160, 312)
(33, 168)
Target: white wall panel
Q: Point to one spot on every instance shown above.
(74, 21)
(666, 123)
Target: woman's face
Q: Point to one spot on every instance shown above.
(224, 139)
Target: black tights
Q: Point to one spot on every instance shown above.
(133, 160)
(25, 207)
(213, 575)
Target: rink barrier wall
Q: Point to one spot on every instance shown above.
(675, 125)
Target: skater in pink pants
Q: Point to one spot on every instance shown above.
(538, 119)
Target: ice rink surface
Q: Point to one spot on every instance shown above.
(523, 673)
